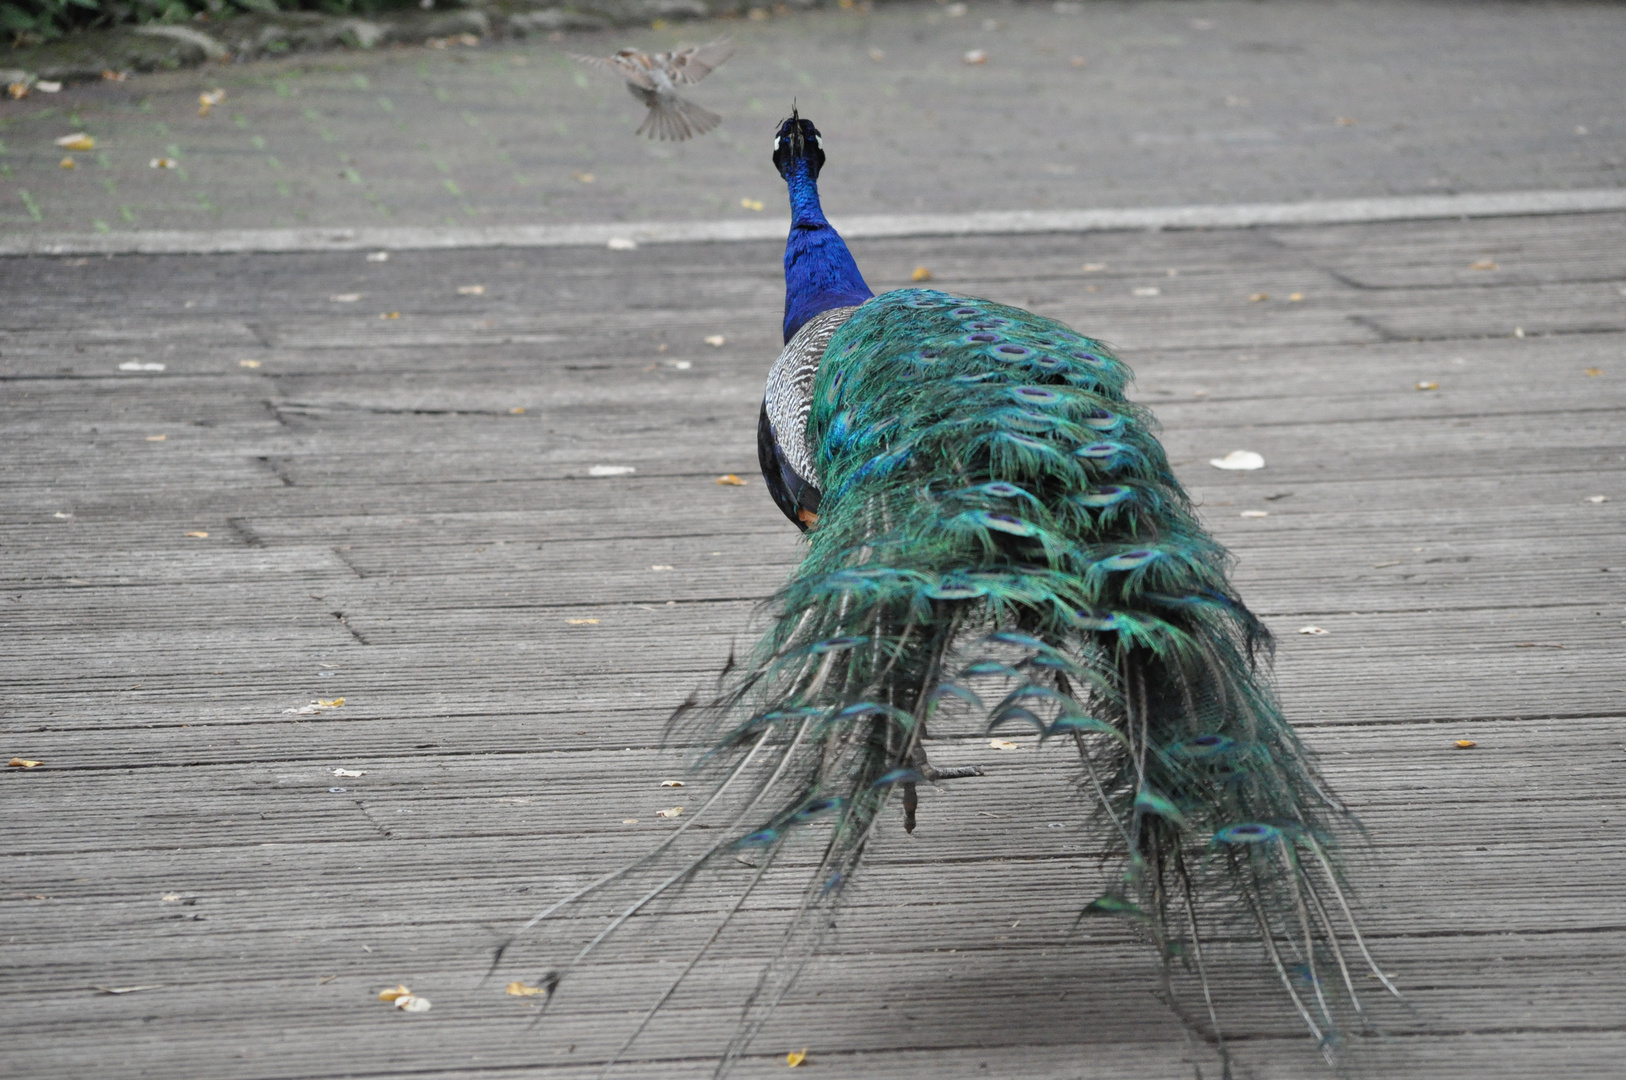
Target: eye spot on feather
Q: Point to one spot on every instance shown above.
(1033, 395)
(1247, 834)
(982, 338)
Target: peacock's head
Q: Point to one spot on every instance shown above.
(798, 141)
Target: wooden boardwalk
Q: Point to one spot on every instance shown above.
(402, 512)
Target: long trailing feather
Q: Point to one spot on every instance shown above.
(1000, 523)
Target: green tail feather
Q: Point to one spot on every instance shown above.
(996, 514)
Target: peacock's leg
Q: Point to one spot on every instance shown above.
(931, 774)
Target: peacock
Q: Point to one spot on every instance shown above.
(992, 526)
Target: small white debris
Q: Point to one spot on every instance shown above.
(676, 811)
(1147, 290)
(471, 290)
(138, 365)
(1597, 498)
(61, 515)
(1238, 460)
(975, 56)
(162, 163)
(378, 256)
(622, 243)
(47, 86)
(1255, 513)
(1002, 744)
(681, 365)
(671, 783)
(349, 772)
(77, 141)
(611, 470)
(1316, 630)
(661, 566)
(716, 341)
(412, 1003)
(345, 297)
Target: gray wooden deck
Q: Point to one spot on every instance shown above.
(385, 525)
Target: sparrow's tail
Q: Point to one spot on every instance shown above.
(674, 118)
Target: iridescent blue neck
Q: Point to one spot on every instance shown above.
(819, 270)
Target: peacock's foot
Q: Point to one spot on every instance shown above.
(931, 774)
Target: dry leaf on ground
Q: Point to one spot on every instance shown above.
(519, 989)
(1002, 744)
(77, 141)
(399, 991)
(349, 772)
(1313, 630)
(676, 811)
(582, 622)
(920, 273)
(730, 480)
(1465, 744)
(671, 783)
(471, 290)
(24, 763)
(795, 1057)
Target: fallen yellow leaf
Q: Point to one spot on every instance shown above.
(390, 315)
(676, 811)
(1593, 371)
(751, 204)
(394, 992)
(519, 989)
(156, 438)
(1345, 121)
(517, 410)
(471, 290)
(795, 1057)
(162, 163)
(17, 90)
(67, 163)
(332, 703)
(730, 481)
(248, 363)
(1295, 298)
(1482, 264)
(584, 177)
(920, 274)
(1465, 744)
(1428, 386)
(1258, 296)
(198, 534)
(77, 141)
(24, 763)
(671, 783)
(582, 622)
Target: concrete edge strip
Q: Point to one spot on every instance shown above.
(988, 223)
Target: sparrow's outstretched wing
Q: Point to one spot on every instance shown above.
(696, 62)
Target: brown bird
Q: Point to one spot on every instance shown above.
(653, 79)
